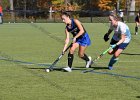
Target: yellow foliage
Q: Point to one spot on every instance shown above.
(101, 4)
(106, 4)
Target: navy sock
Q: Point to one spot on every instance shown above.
(70, 60)
(136, 29)
(113, 60)
(85, 57)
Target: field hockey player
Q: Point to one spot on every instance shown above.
(81, 40)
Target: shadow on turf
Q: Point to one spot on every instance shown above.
(137, 96)
(95, 68)
(130, 54)
(59, 68)
(75, 68)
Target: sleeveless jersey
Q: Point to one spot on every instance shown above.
(74, 30)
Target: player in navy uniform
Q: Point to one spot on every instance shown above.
(137, 21)
(81, 40)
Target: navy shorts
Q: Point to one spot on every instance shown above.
(121, 46)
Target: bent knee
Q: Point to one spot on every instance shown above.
(116, 55)
(72, 51)
(110, 52)
(81, 55)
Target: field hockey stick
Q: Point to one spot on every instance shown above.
(103, 53)
(61, 55)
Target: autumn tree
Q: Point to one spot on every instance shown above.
(137, 5)
(87, 4)
(44, 4)
(107, 4)
(111, 4)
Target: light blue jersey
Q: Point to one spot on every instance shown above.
(122, 28)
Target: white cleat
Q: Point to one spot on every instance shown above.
(136, 33)
(68, 69)
(88, 63)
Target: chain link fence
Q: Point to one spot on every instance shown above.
(20, 16)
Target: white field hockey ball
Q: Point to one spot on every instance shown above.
(47, 70)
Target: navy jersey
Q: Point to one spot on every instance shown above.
(74, 30)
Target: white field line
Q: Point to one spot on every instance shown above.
(82, 62)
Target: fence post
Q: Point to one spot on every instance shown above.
(91, 20)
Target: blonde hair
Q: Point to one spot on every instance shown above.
(115, 17)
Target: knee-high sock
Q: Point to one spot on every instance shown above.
(85, 57)
(113, 60)
(136, 29)
(70, 60)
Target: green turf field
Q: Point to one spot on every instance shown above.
(26, 49)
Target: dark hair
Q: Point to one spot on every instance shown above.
(66, 14)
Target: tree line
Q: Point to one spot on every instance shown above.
(64, 4)
(42, 7)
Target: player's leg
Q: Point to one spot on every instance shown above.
(71, 56)
(136, 28)
(83, 56)
(0, 19)
(117, 53)
(114, 59)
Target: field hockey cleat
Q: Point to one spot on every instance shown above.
(68, 69)
(89, 63)
(136, 33)
(110, 67)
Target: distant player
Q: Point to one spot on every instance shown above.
(137, 21)
(120, 39)
(81, 40)
(1, 14)
(121, 15)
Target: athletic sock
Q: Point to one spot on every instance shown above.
(85, 57)
(136, 29)
(70, 60)
(113, 60)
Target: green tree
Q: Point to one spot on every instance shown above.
(5, 3)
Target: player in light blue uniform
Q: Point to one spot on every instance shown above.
(80, 39)
(120, 39)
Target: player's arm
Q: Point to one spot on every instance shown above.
(106, 36)
(109, 32)
(120, 41)
(80, 27)
(66, 40)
